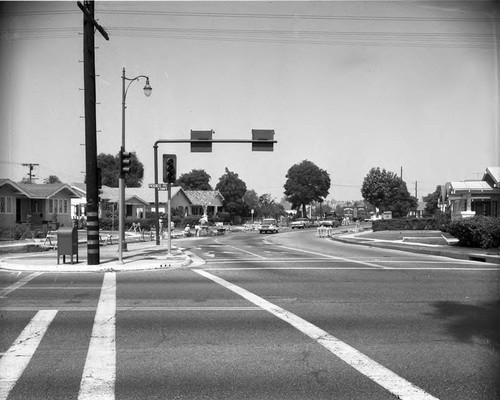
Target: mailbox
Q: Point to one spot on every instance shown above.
(67, 243)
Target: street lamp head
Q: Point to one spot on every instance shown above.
(147, 89)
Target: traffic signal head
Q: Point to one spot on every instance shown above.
(125, 162)
(169, 168)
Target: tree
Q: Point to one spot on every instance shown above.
(251, 200)
(110, 170)
(197, 179)
(432, 200)
(267, 207)
(232, 189)
(52, 179)
(388, 192)
(306, 183)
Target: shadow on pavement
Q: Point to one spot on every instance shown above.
(471, 323)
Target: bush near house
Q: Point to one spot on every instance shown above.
(18, 232)
(478, 231)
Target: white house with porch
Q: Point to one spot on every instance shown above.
(473, 197)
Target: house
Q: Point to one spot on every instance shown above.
(473, 197)
(78, 205)
(419, 212)
(204, 202)
(35, 204)
(140, 201)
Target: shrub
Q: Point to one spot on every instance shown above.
(477, 231)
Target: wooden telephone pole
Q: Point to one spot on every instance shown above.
(89, 24)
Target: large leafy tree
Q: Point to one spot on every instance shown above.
(306, 182)
(197, 179)
(388, 192)
(110, 170)
(232, 189)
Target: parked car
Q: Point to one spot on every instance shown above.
(301, 223)
(268, 225)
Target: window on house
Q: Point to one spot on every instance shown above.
(5, 205)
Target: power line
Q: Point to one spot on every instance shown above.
(321, 37)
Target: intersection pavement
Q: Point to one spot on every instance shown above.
(148, 256)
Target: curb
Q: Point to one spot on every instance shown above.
(422, 250)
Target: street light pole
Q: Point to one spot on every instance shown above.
(122, 244)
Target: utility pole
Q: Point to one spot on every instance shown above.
(89, 24)
(31, 165)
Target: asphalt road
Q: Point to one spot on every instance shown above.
(285, 316)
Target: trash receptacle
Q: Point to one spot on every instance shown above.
(67, 243)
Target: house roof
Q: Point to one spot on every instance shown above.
(494, 174)
(205, 197)
(470, 186)
(41, 191)
(142, 194)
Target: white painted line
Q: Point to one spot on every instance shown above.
(349, 260)
(99, 373)
(246, 251)
(395, 384)
(16, 359)
(471, 269)
(19, 283)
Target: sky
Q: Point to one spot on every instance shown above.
(408, 86)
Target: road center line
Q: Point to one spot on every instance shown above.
(99, 373)
(395, 384)
(19, 283)
(16, 359)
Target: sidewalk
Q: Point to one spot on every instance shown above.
(423, 242)
(140, 256)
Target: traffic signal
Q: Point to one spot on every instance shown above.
(201, 141)
(125, 157)
(169, 168)
(263, 139)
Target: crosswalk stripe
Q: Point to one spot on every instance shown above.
(15, 360)
(99, 373)
(395, 384)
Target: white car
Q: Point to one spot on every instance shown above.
(301, 223)
(268, 225)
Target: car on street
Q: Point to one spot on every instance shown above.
(301, 223)
(268, 225)
(330, 220)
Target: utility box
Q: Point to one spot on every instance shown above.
(67, 243)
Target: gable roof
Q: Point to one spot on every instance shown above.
(143, 194)
(494, 174)
(205, 197)
(41, 191)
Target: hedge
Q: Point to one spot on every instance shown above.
(478, 231)
(409, 224)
